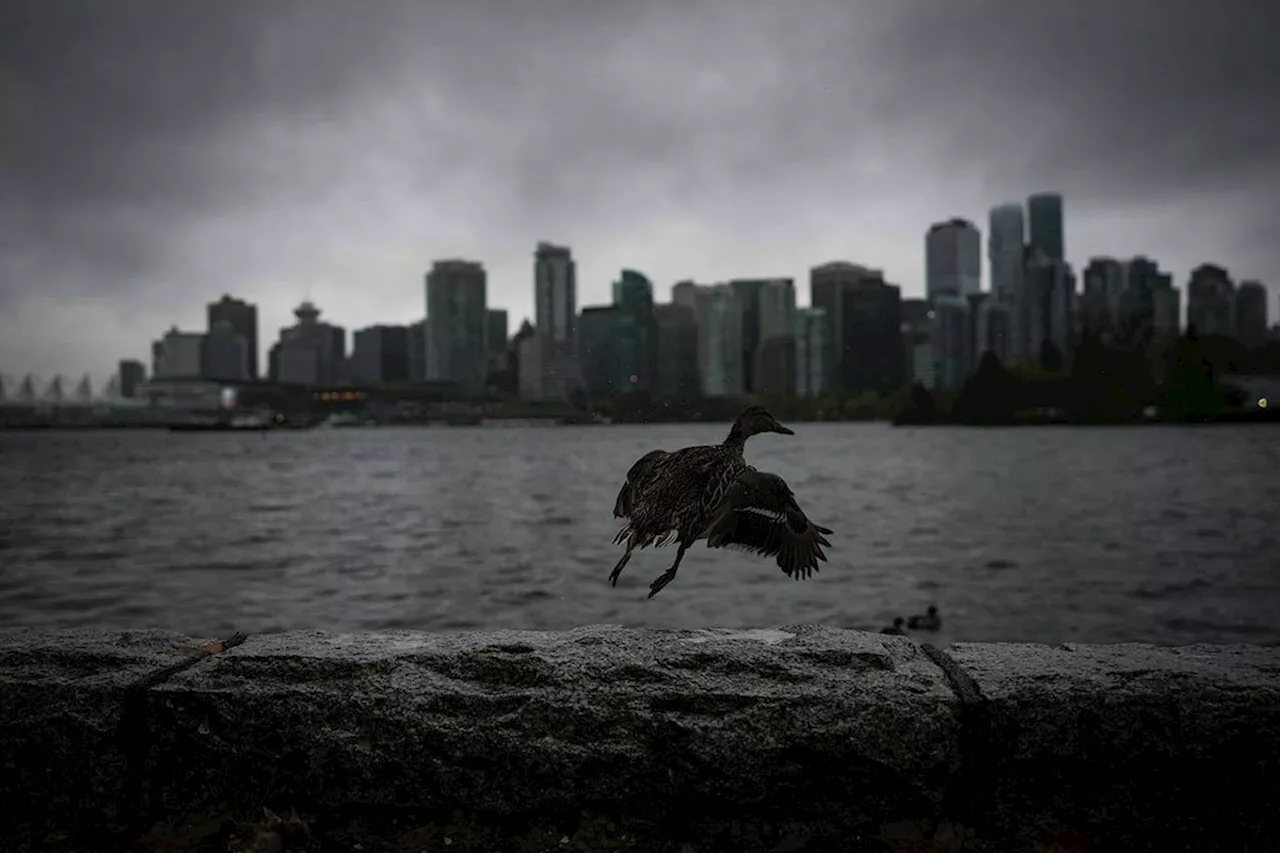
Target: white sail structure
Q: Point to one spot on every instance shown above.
(83, 395)
(111, 391)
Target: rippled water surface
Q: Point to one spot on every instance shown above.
(1090, 535)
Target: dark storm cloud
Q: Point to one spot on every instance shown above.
(1145, 96)
(154, 154)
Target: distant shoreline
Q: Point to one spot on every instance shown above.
(1258, 416)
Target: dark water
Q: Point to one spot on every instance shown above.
(1091, 535)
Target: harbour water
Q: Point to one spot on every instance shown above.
(1158, 534)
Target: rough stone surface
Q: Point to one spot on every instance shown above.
(1139, 744)
(1136, 747)
(66, 740)
(807, 719)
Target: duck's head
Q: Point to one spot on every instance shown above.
(898, 621)
(756, 419)
(932, 610)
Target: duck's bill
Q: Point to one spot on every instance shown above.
(780, 428)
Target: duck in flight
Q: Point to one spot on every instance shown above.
(710, 492)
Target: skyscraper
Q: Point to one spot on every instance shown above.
(243, 318)
(417, 345)
(496, 337)
(1251, 313)
(747, 292)
(178, 355)
(1211, 301)
(1006, 237)
(864, 326)
(951, 341)
(1047, 306)
(811, 350)
(917, 342)
(991, 324)
(677, 350)
(637, 333)
(380, 354)
(457, 322)
(720, 341)
(1103, 289)
(1044, 213)
(132, 374)
(685, 294)
(598, 349)
(774, 356)
(1145, 288)
(953, 259)
(555, 322)
(226, 353)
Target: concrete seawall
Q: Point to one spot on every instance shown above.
(843, 734)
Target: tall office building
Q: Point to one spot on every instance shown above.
(774, 355)
(417, 345)
(1251, 313)
(131, 374)
(720, 341)
(457, 322)
(1006, 237)
(950, 337)
(243, 318)
(528, 367)
(496, 337)
(1101, 297)
(1145, 287)
(226, 354)
(747, 291)
(685, 294)
(811, 351)
(991, 329)
(178, 355)
(380, 354)
(598, 349)
(637, 333)
(1044, 215)
(953, 259)
(917, 342)
(555, 323)
(1047, 308)
(1211, 301)
(677, 327)
(864, 326)
(1166, 310)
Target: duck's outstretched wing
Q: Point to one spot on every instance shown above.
(640, 471)
(759, 514)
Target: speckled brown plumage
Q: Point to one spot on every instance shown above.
(759, 514)
(709, 490)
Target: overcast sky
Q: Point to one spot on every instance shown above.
(155, 154)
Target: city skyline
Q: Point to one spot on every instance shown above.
(323, 166)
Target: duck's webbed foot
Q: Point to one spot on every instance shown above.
(670, 574)
(662, 580)
(617, 570)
